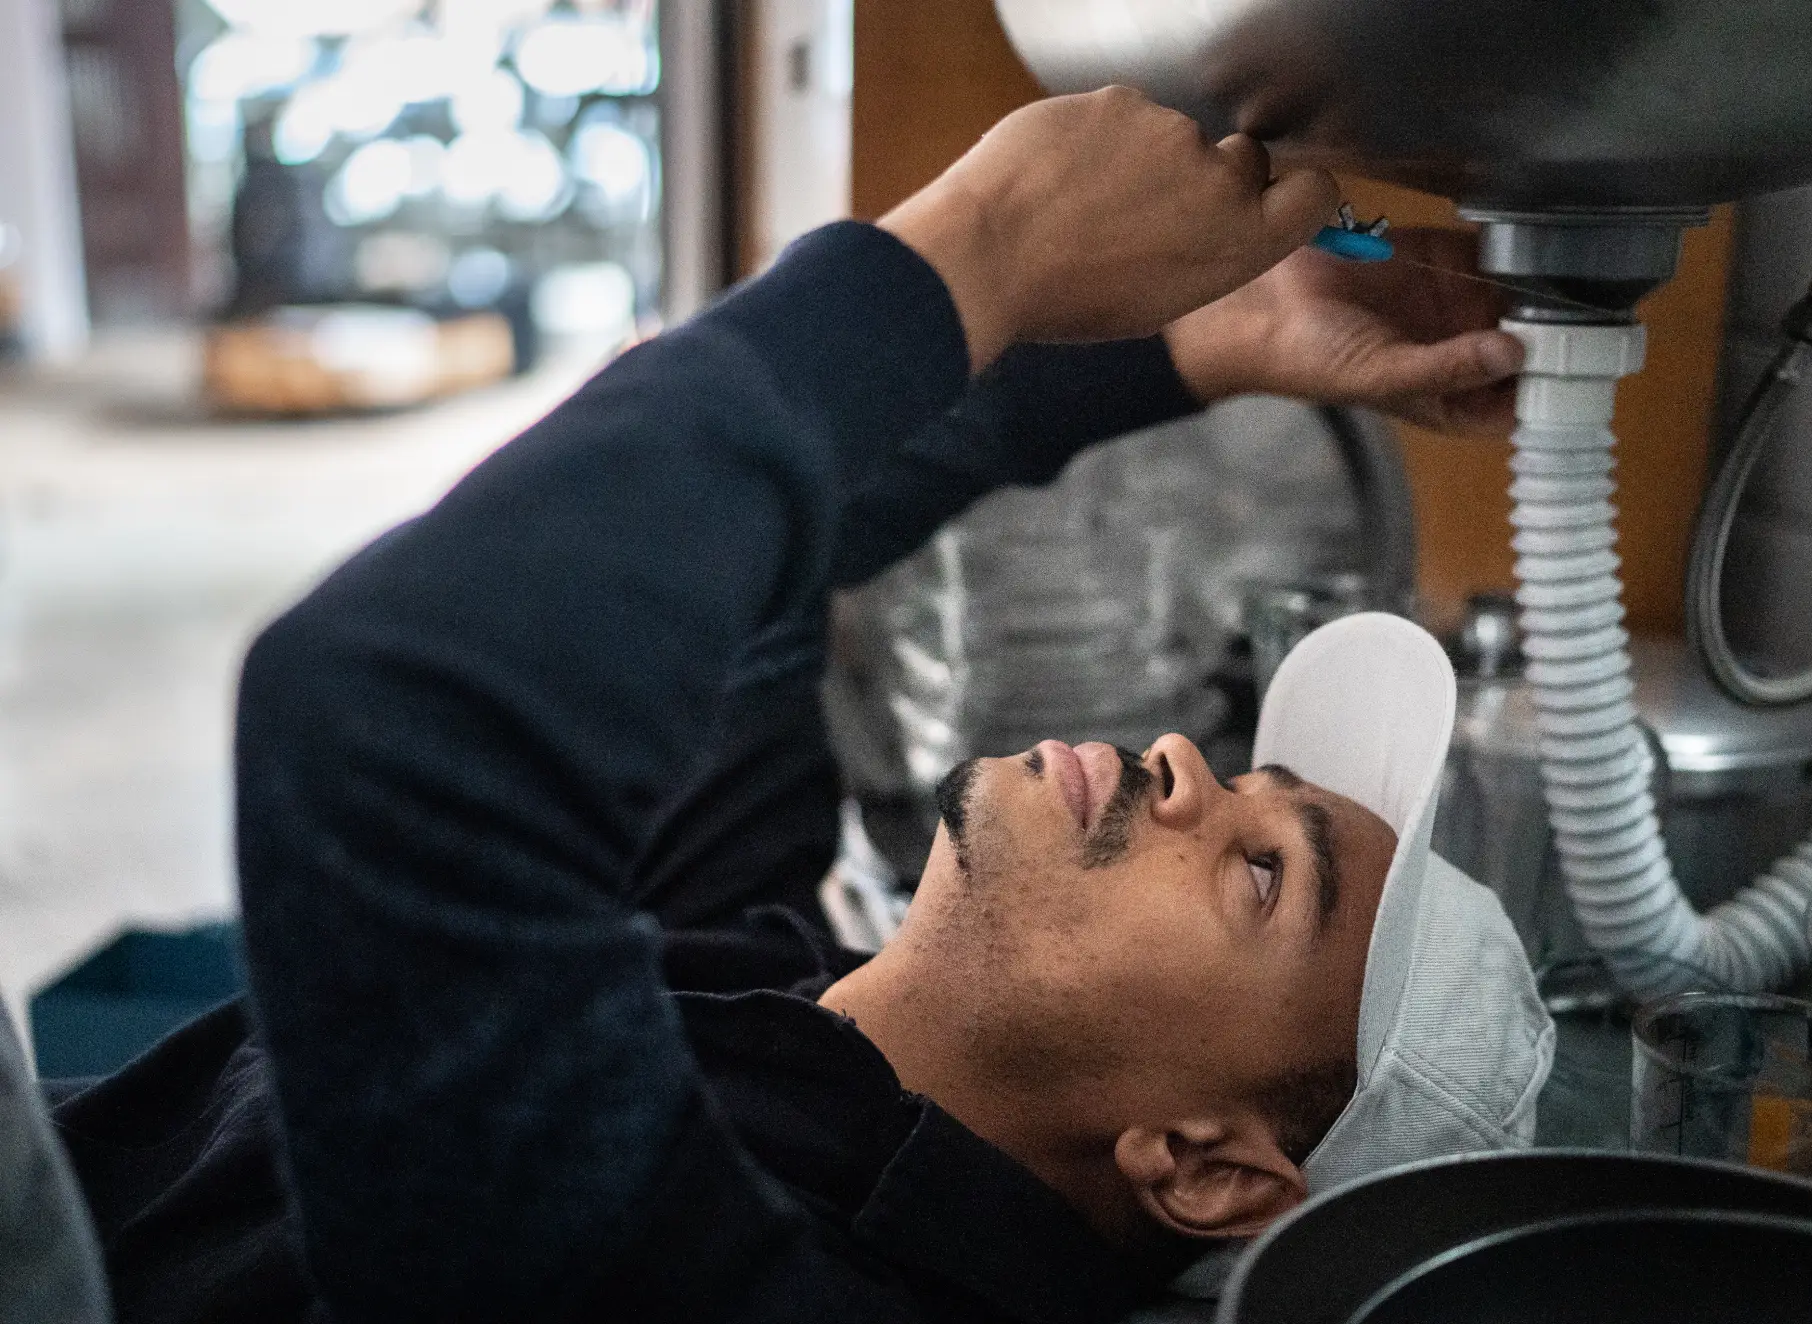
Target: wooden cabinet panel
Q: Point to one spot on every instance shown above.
(932, 76)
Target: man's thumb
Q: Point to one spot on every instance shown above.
(1462, 363)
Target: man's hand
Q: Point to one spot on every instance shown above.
(1102, 217)
(1395, 337)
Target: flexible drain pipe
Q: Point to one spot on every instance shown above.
(1596, 761)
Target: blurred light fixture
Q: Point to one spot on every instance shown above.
(592, 299)
(521, 172)
(237, 65)
(315, 18)
(479, 277)
(535, 187)
(418, 63)
(476, 167)
(565, 57)
(367, 93)
(427, 158)
(371, 185)
(555, 112)
(305, 126)
(489, 13)
(616, 163)
(486, 100)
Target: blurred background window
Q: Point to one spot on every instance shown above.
(459, 154)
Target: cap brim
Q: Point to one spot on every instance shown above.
(1364, 708)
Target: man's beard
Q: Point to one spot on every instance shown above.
(953, 807)
(1106, 844)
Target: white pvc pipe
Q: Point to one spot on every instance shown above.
(1596, 763)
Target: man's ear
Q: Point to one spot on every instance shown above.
(1209, 1178)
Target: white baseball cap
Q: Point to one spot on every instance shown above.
(1454, 1043)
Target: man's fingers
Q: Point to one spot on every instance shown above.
(1464, 363)
(1299, 204)
(1249, 158)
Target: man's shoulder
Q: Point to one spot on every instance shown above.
(769, 947)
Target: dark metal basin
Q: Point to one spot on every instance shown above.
(1505, 103)
(1695, 1267)
(1337, 1253)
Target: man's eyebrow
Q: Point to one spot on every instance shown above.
(1318, 827)
(1284, 778)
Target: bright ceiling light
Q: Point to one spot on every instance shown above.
(366, 95)
(477, 167)
(419, 64)
(247, 64)
(593, 299)
(536, 187)
(371, 185)
(615, 162)
(306, 125)
(427, 159)
(565, 57)
(521, 172)
(487, 100)
(315, 18)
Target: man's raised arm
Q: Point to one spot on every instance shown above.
(460, 761)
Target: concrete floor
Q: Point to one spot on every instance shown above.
(141, 547)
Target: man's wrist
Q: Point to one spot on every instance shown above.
(958, 236)
(1216, 351)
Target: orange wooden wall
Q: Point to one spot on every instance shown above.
(933, 75)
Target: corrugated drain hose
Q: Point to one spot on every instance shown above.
(1596, 762)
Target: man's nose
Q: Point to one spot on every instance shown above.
(1185, 784)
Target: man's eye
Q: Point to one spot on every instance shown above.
(1264, 877)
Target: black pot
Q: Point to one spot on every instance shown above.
(1338, 1253)
(1698, 1267)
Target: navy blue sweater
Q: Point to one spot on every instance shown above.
(483, 764)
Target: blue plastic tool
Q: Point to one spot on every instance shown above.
(1356, 240)
(1355, 245)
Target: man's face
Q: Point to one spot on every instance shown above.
(1138, 937)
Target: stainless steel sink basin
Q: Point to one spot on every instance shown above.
(1509, 104)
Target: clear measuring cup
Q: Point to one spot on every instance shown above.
(1725, 1076)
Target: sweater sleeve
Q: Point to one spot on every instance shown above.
(581, 691)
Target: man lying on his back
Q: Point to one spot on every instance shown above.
(1133, 1010)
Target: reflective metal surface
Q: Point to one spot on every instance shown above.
(1325, 1260)
(1714, 745)
(1515, 103)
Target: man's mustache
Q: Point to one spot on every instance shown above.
(1107, 843)
(1112, 836)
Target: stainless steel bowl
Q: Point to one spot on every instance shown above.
(1513, 104)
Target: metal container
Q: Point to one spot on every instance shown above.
(1736, 793)
(1641, 1267)
(1505, 103)
(1739, 790)
(1324, 1262)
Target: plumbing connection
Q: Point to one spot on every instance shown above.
(1596, 761)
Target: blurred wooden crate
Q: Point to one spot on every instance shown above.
(330, 360)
